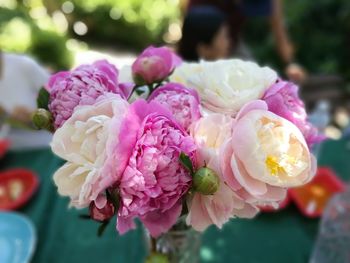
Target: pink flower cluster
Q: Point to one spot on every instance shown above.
(142, 159)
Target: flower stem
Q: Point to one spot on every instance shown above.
(153, 245)
(151, 89)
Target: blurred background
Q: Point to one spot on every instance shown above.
(62, 34)
(304, 40)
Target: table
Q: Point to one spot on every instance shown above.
(284, 236)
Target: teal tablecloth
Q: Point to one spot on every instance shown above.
(285, 236)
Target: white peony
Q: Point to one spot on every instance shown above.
(82, 142)
(225, 85)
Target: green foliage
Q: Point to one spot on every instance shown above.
(43, 99)
(320, 31)
(50, 48)
(133, 23)
(186, 162)
(21, 33)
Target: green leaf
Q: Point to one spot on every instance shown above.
(186, 162)
(113, 196)
(43, 99)
(102, 228)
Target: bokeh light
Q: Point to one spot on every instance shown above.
(80, 28)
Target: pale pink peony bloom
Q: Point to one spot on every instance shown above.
(210, 134)
(81, 86)
(266, 155)
(152, 180)
(182, 102)
(154, 65)
(283, 99)
(82, 141)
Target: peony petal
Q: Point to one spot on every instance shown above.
(252, 185)
(124, 224)
(158, 222)
(254, 105)
(226, 169)
(198, 216)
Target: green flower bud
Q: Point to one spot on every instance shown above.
(205, 181)
(157, 258)
(42, 119)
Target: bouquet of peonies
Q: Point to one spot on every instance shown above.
(159, 140)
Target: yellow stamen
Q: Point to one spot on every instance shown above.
(273, 165)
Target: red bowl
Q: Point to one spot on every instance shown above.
(17, 186)
(312, 198)
(269, 209)
(4, 146)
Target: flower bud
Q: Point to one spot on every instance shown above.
(42, 119)
(205, 181)
(102, 214)
(154, 65)
(157, 258)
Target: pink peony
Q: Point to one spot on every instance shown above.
(210, 134)
(182, 102)
(81, 86)
(282, 99)
(154, 65)
(151, 178)
(265, 155)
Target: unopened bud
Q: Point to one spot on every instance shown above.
(42, 119)
(102, 214)
(205, 181)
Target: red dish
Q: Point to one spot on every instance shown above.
(4, 146)
(17, 186)
(283, 204)
(312, 198)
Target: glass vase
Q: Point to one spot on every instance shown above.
(333, 241)
(180, 245)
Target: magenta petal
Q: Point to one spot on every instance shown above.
(155, 64)
(124, 224)
(152, 180)
(158, 222)
(81, 86)
(181, 101)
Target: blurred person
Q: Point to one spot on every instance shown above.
(20, 81)
(238, 11)
(205, 35)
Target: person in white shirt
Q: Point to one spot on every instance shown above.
(20, 81)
